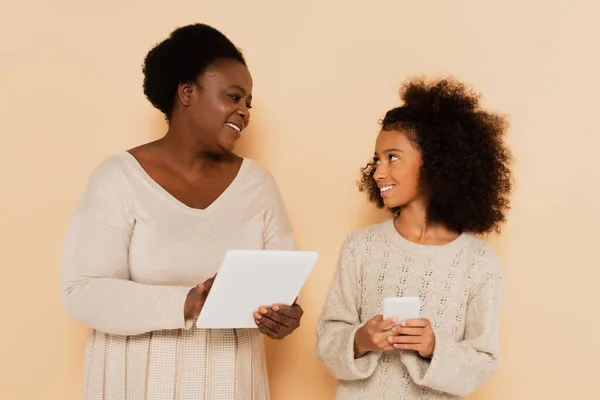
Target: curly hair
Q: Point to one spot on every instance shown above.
(465, 167)
(183, 57)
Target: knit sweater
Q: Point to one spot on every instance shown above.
(460, 287)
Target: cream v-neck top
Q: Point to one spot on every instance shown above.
(131, 255)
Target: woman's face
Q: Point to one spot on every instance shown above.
(397, 162)
(218, 105)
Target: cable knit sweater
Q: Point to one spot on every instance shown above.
(460, 286)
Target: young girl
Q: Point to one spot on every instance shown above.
(442, 169)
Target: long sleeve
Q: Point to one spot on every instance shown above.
(340, 320)
(95, 281)
(461, 367)
(278, 233)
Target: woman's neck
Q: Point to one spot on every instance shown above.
(189, 154)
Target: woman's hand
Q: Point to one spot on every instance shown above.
(278, 321)
(196, 298)
(373, 336)
(415, 334)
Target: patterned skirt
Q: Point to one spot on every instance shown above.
(194, 364)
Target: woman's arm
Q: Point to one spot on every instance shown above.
(95, 282)
(278, 233)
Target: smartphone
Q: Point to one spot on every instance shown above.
(402, 308)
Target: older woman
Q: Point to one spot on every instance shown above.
(153, 225)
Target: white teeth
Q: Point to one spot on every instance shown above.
(237, 128)
(386, 188)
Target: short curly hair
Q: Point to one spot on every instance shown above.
(183, 57)
(465, 164)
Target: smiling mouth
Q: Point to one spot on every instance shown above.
(236, 128)
(385, 190)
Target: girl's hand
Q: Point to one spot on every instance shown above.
(414, 334)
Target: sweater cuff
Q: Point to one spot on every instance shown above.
(173, 307)
(427, 372)
(436, 366)
(362, 367)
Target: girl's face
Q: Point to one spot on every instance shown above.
(398, 163)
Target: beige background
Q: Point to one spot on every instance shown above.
(325, 72)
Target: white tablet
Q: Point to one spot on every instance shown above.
(402, 308)
(249, 279)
